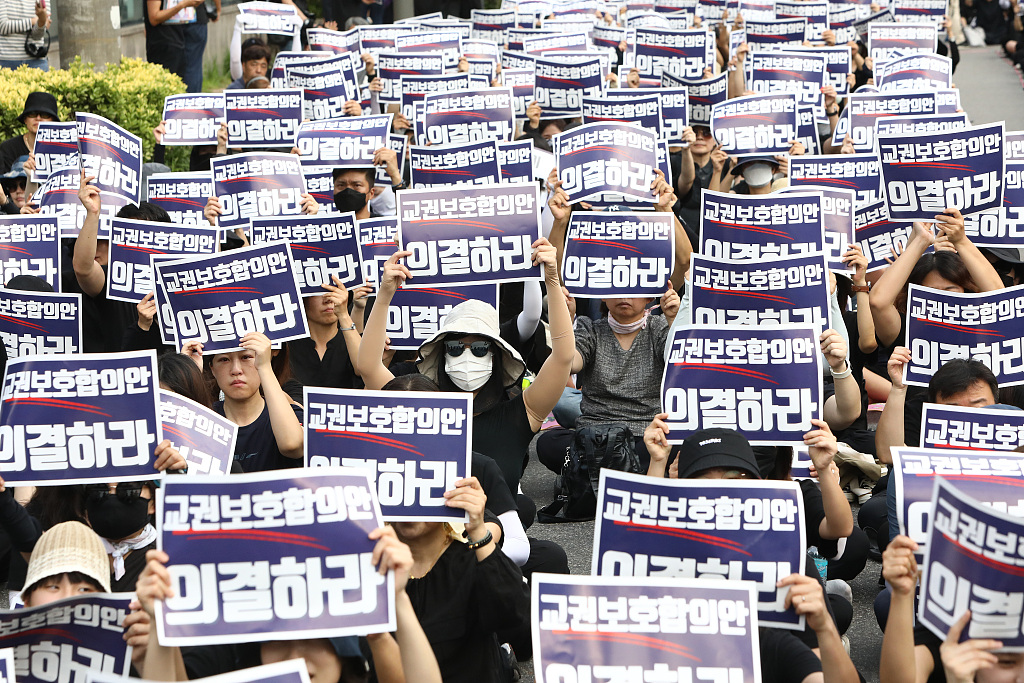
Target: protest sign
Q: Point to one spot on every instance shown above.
(470, 235)
(320, 186)
(468, 116)
(1013, 145)
(801, 73)
(1011, 227)
(257, 184)
(552, 42)
(129, 276)
(490, 24)
(323, 248)
(447, 43)
(37, 323)
(693, 528)
(416, 315)
(674, 111)
(945, 325)
(924, 174)
(838, 65)
(205, 438)
(744, 227)
(378, 240)
(337, 42)
(289, 671)
(915, 72)
(515, 37)
(164, 314)
(474, 163)
(889, 41)
(923, 11)
(269, 17)
(892, 126)
(816, 12)
(219, 299)
(861, 173)
(112, 155)
(192, 118)
(973, 562)
(314, 573)
(7, 665)
(522, 83)
(644, 110)
(391, 66)
(412, 445)
(326, 87)
(807, 130)
(345, 143)
(381, 37)
(516, 161)
(684, 54)
(286, 59)
(618, 254)
(608, 36)
(979, 429)
(182, 195)
(76, 419)
(414, 87)
(263, 118)
(858, 119)
(837, 214)
(780, 34)
(646, 627)
(880, 239)
(728, 376)
(598, 158)
(560, 88)
(996, 479)
(761, 292)
(703, 95)
(67, 640)
(29, 245)
(755, 124)
(58, 199)
(56, 147)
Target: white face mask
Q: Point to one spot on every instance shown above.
(757, 174)
(468, 372)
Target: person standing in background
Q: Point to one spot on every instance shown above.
(18, 19)
(165, 34)
(194, 36)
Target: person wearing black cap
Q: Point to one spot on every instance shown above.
(12, 189)
(39, 106)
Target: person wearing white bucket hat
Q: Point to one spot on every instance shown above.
(468, 354)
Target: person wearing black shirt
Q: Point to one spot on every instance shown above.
(324, 358)
(39, 107)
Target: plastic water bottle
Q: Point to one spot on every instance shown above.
(820, 562)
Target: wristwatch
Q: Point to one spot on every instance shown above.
(860, 288)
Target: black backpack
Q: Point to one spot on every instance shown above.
(608, 446)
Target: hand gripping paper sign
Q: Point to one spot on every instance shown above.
(670, 629)
(413, 445)
(271, 556)
(703, 529)
(598, 158)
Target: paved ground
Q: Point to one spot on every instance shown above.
(991, 90)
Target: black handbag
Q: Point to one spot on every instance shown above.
(37, 49)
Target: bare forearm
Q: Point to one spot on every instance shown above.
(388, 659)
(889, 433)
(897, 658)
(847, 403)
(836, 666)
(838, 522)
(285, 425)
(162, 663)
(984, 275)
(371, 348)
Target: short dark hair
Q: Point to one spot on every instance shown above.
(370, 173)
(959, 375)
(183, 377)
(254, 52)
(145, 211)
(412, 382)
(73, 577)
(948, 264)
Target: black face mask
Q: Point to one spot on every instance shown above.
(115, 519)
(349, 200)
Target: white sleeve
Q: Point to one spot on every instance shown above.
(515, 545)
(236, 50)
(527, 322)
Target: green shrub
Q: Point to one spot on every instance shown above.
(130, 93)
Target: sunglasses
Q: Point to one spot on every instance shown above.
(127, 491)
(455, 348)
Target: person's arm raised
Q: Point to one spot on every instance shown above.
(893, 281)
(951, 226)
(542, 395)
(822, 448)
(89, 274)
(842, 408)
(371, 349)
(890, 431)
(899, 654)
(286, 426)
(161, 663)
(807, 598)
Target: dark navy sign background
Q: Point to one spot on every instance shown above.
(729, 376)
(618, 254)
(692, 528)
(259, 184)
(942, 326)
(205, 438)
(983, 429)
(29, 245)
(413, 445)
(664, 628)
(742, 227)
(861, 173)
(40, 322)
(323, 247)
(415, 315)
(75, 419)
(193, 118)
(182, 195)
(266, 556)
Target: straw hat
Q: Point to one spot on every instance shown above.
(468, 318)
(69, 547)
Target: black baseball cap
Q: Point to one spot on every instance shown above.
(710, 448)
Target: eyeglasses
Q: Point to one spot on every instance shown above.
(38, 115)
(126, 492)
(701, 132)
(454, 348)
